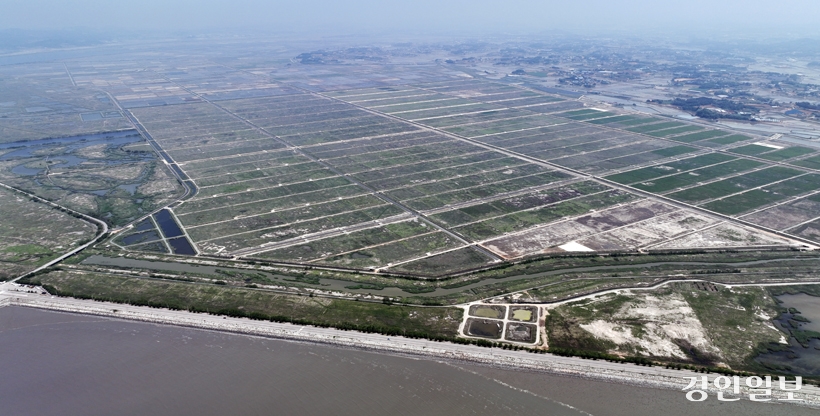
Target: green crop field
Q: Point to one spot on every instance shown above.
(787, 153)
(730, 139)
(736, 184)
(674, 151)
(751, 149)
(746, 201)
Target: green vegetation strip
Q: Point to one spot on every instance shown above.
(427, 322)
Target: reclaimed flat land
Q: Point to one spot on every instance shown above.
(333, 168)
(27, 234)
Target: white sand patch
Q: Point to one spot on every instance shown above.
(573, 246)
(767, 144)
(663, 320)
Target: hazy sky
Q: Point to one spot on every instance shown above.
(788, 17)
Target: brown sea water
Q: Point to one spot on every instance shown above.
(63, 364)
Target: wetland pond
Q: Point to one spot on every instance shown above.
(801, 320)
(64, 151)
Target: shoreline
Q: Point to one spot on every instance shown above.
(622, 373)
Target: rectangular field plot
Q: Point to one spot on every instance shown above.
(416, 198)
(674, 151)
(387, 254)
(784, 216)
(810, 230)
(456, 120)
(579, 113)
(522, 102)
(448, 262)
(669, 183)
(735, 184)
(787, 153)
(553, 107)
(674, 131)
(634, 121)
(502, 126)
(725, 235)
(746, 201)
(812, 162)
(589, 116)
(550, 237)
(651, 172)
(645, 233)
(408, 108)
(655, 126)
(702, 135)
(590, 159)
(258, 231)
(344, 247)
(522, 220)
(639, 158)
(729, 139)
(751, 149)
(440, 112)
(612, 119)
(529, 201)
(760, 197)
(387, 101)
(227, 209)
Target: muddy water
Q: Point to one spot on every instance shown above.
(63, 364)
(797, 358)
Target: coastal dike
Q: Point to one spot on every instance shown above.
(624, 373)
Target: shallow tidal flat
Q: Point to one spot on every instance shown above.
(84, 365)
